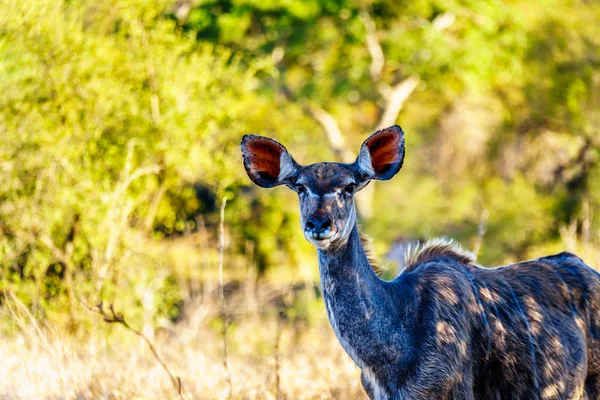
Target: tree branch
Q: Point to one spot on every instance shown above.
(443, 21)
(224, 318)
(333, 132)
(396, 100)
(115, 317)
(152, 81)
(111, 317)
(328, 123)
(373, 46)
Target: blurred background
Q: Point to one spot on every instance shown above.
(120, 124)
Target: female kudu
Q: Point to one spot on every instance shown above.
(444, 328)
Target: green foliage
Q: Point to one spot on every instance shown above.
(120, 124)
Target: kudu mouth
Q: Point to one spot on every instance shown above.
(323, 238)
(320, 230)
(321, 241)
(324, 235)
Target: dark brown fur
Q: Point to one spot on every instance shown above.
(444, 328)
(527, 330)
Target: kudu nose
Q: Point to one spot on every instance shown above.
(319, 227)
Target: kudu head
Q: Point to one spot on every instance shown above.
(326, 190)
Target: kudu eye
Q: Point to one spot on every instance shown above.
(350, 188)
(300, 189)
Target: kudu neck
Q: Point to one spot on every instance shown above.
(358, 304)
(348, 258)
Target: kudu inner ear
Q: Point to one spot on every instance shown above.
(382, 154)
(267, 162)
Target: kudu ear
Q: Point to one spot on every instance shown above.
(267, 162)
(382, 154)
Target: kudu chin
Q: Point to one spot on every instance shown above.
(444, 328)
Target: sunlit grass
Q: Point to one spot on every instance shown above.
(100, 360)
(107, 361)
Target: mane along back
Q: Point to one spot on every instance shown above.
(435, 249)
(368, 247)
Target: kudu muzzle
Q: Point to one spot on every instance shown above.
(319, 226)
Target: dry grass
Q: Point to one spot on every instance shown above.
(270, 355)
(109, 362)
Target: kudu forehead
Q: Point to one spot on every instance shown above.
(324, 178)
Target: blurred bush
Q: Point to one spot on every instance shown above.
(120, 123)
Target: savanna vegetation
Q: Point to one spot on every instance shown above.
(120, 124)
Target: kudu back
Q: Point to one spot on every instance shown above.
(444, 328)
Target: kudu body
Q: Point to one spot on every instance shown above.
(444, 328)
